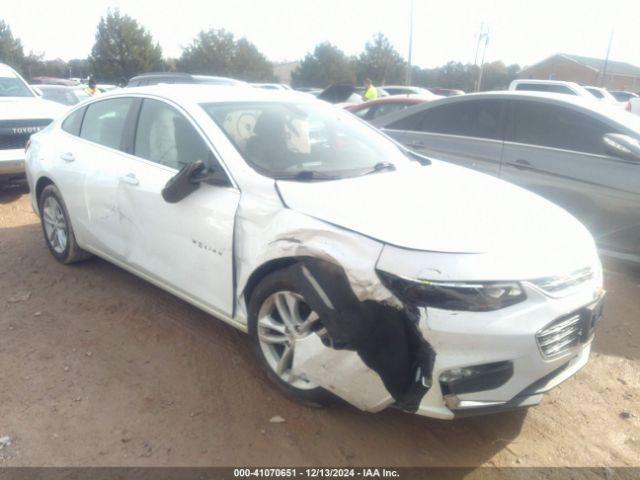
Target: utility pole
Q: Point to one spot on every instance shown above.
(475, 59)
(606, 61)
(485, 36)
(409, 65)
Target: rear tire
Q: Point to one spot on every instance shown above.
(57, 229)
(271, 338)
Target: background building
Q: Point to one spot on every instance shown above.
(586, 71)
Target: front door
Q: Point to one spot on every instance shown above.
(187, 246)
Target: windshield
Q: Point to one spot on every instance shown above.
(64, 95)
(13, 87)
(304, 140)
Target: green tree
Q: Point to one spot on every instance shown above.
(11, 51)
(325, 66)
(123, 48)
(217, 52)
(79, 67)
(381, 62)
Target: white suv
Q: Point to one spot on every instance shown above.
(22, 113)
(551, 86)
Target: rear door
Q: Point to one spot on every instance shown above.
(91, 161)
(188, 245)
(468, 133)
(558, 152)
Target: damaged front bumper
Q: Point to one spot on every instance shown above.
(442, 363)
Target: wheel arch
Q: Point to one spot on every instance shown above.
(262, 271)
(40, 185)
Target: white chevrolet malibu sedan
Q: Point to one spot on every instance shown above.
(359, 269)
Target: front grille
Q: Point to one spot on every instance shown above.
(9, 142)
(16, 133)
(560, 335)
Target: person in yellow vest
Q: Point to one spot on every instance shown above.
(370, 92)
(91, 89)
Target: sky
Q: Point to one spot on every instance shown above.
(520, 31)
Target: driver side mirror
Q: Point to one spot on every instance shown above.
(622, 146)
(188, 180)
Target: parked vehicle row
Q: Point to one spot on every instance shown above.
(359, 268)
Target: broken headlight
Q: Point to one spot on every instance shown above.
(467, 296)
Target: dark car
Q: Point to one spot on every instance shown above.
(180, 78)
(578, 152)
(384, 106)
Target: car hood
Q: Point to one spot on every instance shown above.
(23, 108)
(439, 208)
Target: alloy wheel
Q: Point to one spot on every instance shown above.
(55, 225)
(283, 319)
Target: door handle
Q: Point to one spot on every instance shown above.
(522, 164)
(416, 144)
(130, 178)
(68, 157)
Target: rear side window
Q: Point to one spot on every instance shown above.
(72, 123)
(538, 123)
(544, 87)
(477, 118)
(166, 137)
(104, 121)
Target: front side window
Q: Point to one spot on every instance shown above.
(104, 121)
(543, 124)
(477, 118)
(296, 140)
(166, 137)
(13, 87)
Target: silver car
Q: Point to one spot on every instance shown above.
(577, 152)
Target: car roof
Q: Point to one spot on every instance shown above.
(47, 86)
(206, 93)
(590, 103)
(402, 86)
(406, 98)
(162, 74)
(544, 82)
(7, 71)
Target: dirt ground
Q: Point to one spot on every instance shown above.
(98, 367)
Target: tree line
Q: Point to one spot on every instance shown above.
(123, 48)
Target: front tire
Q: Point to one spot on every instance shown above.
(278, 314)
(57, 229)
